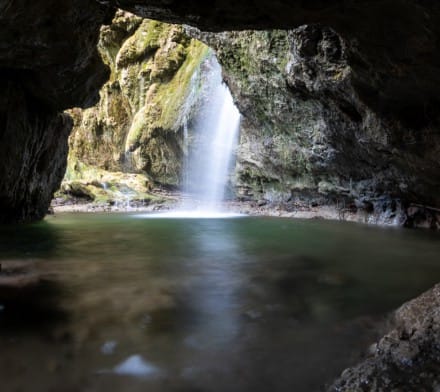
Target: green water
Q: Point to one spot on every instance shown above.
(247, 304)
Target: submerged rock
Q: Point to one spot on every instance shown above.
(136, 366)
(16, 277)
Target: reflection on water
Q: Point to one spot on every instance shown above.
(249, 304)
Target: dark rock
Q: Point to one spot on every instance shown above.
(33, 152)
(405, 359)
(261, 203)
(48, 62)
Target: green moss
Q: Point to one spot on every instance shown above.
(171, 96)
(141, 107)
(137, 129)
(101, 186)
(144, 42)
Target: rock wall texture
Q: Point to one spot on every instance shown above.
(309, 137)
(137, 126)
(394, 41)
(33, 147)
(384, 102)
(48, 62)
(405, 359)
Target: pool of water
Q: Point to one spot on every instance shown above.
(126, 303)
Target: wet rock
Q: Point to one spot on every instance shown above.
(408, 357)
(136, 366)
(308, 133)
(261, 203)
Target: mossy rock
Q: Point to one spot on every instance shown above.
(138, 122)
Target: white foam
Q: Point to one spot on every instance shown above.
(190, 214)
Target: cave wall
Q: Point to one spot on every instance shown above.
(48, 53)
(48, 62)
(394, 42)
(310, 137)
(33, 150)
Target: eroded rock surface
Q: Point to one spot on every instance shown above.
(309, 137)
(405, 359)
(33, 152)
(138, 123)
(387, 99)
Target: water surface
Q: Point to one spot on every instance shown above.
(245, 304)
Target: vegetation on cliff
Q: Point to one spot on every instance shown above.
(137, 126)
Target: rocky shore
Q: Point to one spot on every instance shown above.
(407, 358)
(411, 217)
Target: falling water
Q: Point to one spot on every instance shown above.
(210, 155)
(210, 140)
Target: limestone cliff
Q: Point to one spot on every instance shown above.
(137, 126)
(133, 138)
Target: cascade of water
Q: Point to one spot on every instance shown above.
(215, 138)
(209, 143)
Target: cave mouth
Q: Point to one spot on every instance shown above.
(339, 122)
(369, 83)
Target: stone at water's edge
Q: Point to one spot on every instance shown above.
(405, 359)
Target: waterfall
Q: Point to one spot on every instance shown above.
(215, 137)
(210, 140)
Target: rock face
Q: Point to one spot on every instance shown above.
(309, 137)
(386, 94)
(408, 357)
(395, 41)
(48, 62)
(34, 152)
(138, 123)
